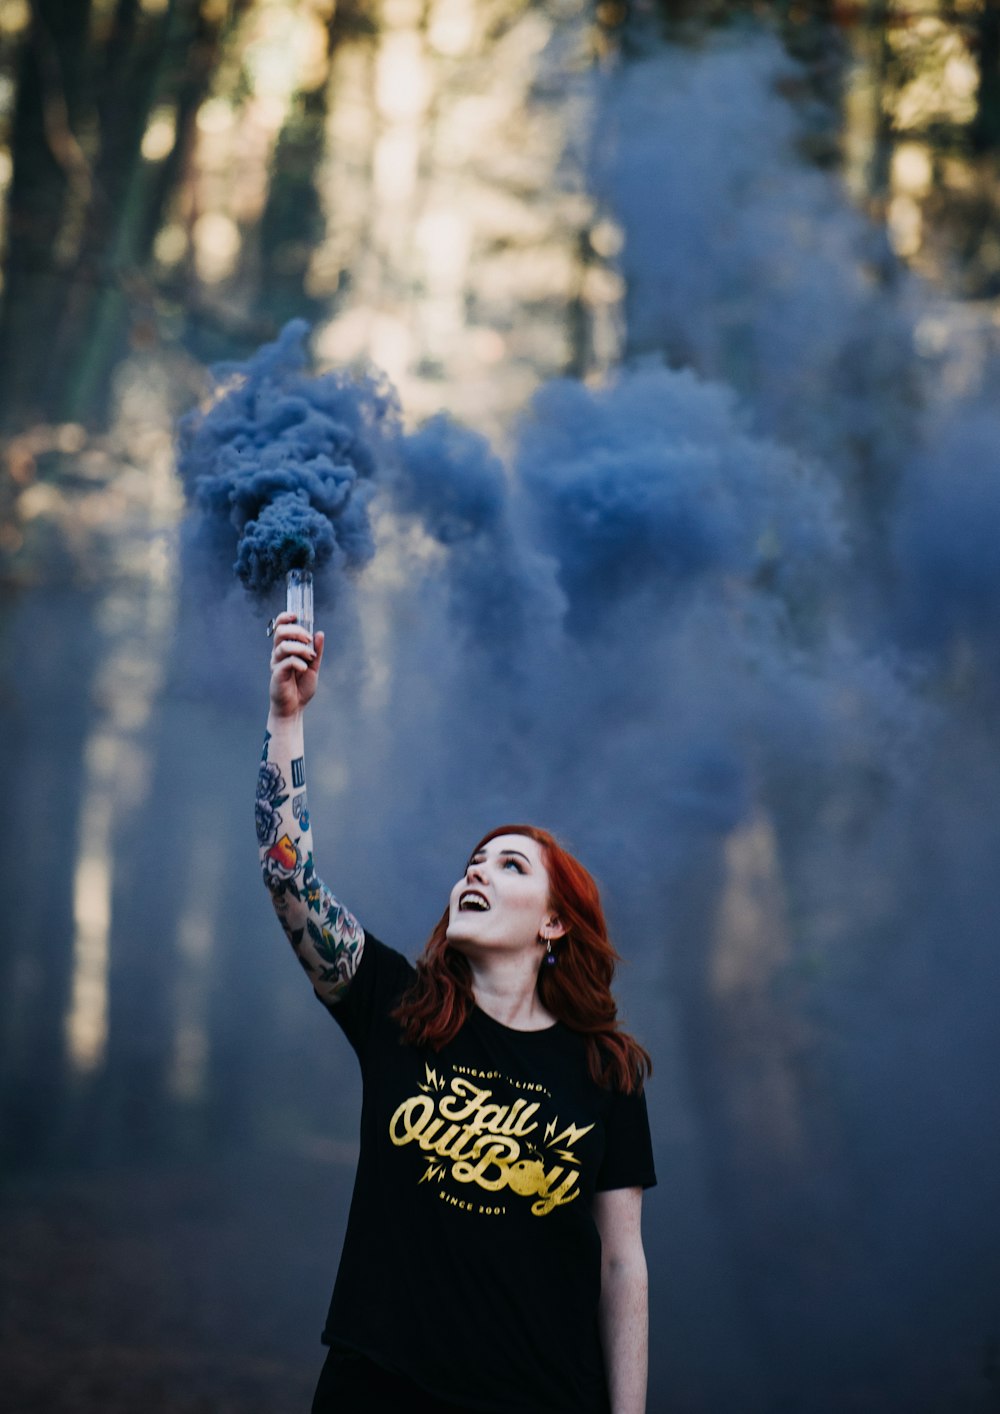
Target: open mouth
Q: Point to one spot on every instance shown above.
(471, 902)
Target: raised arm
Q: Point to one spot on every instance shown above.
(325, 937)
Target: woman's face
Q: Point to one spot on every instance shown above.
(502, 900)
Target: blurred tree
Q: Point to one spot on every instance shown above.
(880, 60)
(47, 716)
(50, 183)
(926, 85)
(85, 198)
(293, 223)
(986, 126)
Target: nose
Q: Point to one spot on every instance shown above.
(475, 871)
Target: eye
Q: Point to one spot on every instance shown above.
(513, 863)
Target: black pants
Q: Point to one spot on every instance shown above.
(350, 1383)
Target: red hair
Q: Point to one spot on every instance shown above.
(576, 991)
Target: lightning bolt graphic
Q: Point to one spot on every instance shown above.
(550, 1128)
(433, 1081)
(435, 1171)
(571, 1135)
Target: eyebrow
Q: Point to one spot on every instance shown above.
(478, 852)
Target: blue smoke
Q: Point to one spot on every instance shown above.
(947, 543)
(654, 483)
(748, 265)
(501, 591)
(453, 480)
(876, 765)
(280, 468)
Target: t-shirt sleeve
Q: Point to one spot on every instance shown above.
(628, 1148)
(382, 977)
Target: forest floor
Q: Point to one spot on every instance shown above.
(194, 1288)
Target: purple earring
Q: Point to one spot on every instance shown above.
(550, 956)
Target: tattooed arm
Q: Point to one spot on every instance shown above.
(325, 937)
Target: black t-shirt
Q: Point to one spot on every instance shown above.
(471, 1262)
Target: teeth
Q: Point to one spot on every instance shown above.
(475, 901)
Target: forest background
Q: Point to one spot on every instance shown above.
(719, 285)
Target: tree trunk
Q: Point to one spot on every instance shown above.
(49, 185)
(986, 126)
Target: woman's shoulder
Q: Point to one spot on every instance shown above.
(388, 957)
(382, 976)
(384, 969)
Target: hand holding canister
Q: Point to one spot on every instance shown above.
(295, 658)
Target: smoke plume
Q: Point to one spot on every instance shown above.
(280, 466)
(727, 624)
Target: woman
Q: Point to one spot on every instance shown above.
(493, 1258)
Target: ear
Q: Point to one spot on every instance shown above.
(553, 927)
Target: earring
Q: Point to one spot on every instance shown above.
(550, 956)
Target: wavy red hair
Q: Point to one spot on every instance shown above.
(577, 990)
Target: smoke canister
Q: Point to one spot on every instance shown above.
(299, 597)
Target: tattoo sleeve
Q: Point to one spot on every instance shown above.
(325, 937)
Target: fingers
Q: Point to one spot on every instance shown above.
(300, 656)
(291, 664)
(286, 627)
(290, 637)
(294, 650)
(292, 640)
